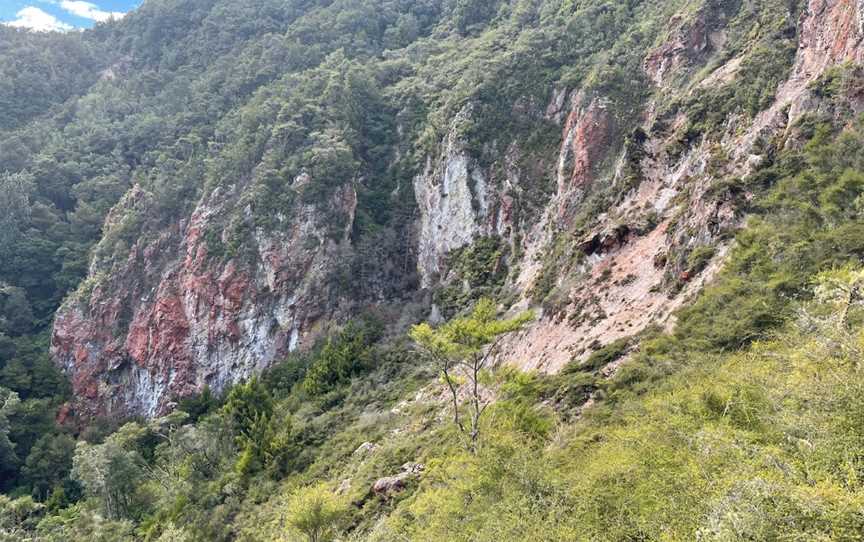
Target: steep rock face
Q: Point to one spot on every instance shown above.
(621, 283)
(163, 327)
(586, 137)
(690, 38)
(831, 34)
(633, 271)
(453, 201)
(606, 255)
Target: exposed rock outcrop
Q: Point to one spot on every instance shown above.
(174, 315)
(453, 200)
(688, 37)
(585, 143)
(622, 284)
(164, 326)
(387, 486)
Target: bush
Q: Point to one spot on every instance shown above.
(342, 357)
(315, 512)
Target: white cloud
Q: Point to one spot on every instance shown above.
(89, 11)
(34, 18)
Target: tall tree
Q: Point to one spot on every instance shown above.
(462, 349)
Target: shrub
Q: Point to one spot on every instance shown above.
(315, 512)
(342, 357)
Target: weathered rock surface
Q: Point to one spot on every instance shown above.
(173, 317)
(453, 200)
(621, 285)
(385, 487)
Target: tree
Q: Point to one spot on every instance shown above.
(467, 345)
(314, 511)
(8, 403)
(842, 290)
(15, 192)
(198, 405)
(16, 315)
(48, 463)
(835, 314)
(341, 358)
(112, 471)
(249, 412)
(18, 517)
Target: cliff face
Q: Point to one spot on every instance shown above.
(633, 270)
(172, 319)
(634, 224)
(453, 200)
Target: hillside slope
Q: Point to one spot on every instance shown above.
(575, 149)
(221, 218)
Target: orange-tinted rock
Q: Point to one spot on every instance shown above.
(586, 136)
(687, 39)
(172, 320)
(64, 414)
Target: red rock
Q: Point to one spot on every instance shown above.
(686, 40)
(167, 320)
(64, 413)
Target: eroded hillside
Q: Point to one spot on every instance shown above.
(237, 211)
(583, 161)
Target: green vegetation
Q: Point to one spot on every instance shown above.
(463, 349)
(477, 270)
(276, 105)
(743, 423)
(762, 461)
(767, 56)
(748, 413)
(699, 258)
(314, 512)
(342, 358)
(741, 439)
(601, 357)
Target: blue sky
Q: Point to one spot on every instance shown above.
(61, 15)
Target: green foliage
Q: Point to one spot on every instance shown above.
(467, 336)
(342, 357)
(738, 437)
(18, 517)
(766, 57)
(279, 106)
(602, 357)
(27, 370)
(699, 258)
(501, 493)
(462, 349)
(800, 229)
(113, 472)
(14, 206)
(249, 413)
(314, 512)
(9, 401)
(286, 108)
(59, 66)
(478, 270)
(198, 405)
(48, 464)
